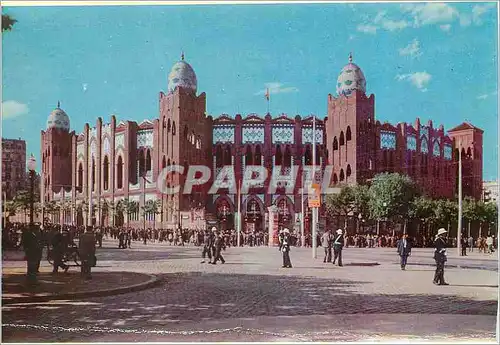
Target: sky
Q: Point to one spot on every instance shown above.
(429, 60)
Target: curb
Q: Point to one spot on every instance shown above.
(153, 280)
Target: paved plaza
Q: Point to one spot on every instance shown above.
(251, 298)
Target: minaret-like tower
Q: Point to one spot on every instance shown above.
(185, 135)
(56, 153)
(350, 128)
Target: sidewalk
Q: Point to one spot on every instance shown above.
(69, 285)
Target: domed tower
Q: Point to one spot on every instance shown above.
(185, 132)
(350, 127)
(56, 148)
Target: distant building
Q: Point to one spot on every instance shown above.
(13, 167)
(490, 191)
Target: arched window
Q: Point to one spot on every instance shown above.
(227, 156)
(142, 163)
(341, 140)
(248, 156)
(258, 156)
(348, 133)
(288, 157)
(93, 174)
(218, 157)
(169, 126)
(348, 171)
(186, 132)
(163, 163)
(168, 162)
(119, 173)
(80, 175)
(469, 153)
(105, 173)
(278, 157)
(148, 161)
(335, 144)
(341, 175)
(308, 156)
(173, 127)
(335, 179)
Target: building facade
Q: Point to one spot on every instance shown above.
(14, 176)
(112, 163)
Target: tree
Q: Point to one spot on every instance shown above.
(151, 207)
(10, 208)
(22, 201)
(490, 210)
(129, 207)
(470, 211)
(7, 22)
(341, 204)
(391, 195)
(445, 212)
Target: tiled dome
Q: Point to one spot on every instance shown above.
(58, 119)
(351, 78)
(182, 74)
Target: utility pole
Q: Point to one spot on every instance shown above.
(459, 228)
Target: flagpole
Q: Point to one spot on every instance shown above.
(268, 98)
(238, 224)
(314, 210)
(302, 237)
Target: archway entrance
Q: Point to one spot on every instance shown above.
(225, 215)
(285, 214)
(253, 217)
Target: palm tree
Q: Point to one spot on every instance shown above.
(7, 22)
(151, 207)
(23, 200)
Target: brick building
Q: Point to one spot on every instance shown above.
(14, 177)
(117, 160)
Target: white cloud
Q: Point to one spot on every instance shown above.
(275, 88)
(418, 79)
(445, 27)
(85, 87)
(393, 25)
(412, 49)
(12, 109)
(367, 28)
(486, 95)
(465, 20)
(479, 10)
(430, 13)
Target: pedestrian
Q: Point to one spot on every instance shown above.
(326, 243)
(464, 242)
(471, 243)
(207, 245)
(59, 247)
(217, 248)
(87, 252)
(440, 257)
(284, 247)
(404, 250)
(338, 245)
(33, 248)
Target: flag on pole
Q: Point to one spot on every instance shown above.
(267, 94)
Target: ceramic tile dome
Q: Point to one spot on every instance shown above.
(182, 74)
(58, 119)
(351, 78)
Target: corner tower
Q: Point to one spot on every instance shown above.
(56, 153)
(185, 132)
(350, 128)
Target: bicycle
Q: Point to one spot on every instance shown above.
(71, 254)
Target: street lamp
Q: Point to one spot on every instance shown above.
(31, 168)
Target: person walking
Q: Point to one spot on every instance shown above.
(31, 242)
(338, 245)
(59, 247)
(284, 247)
(489, 244)
(326, 243)
(404, 250)
(87, 249)
(464, 242)
(440, 256)
(207, 245)
(217, 248)
(471, 243)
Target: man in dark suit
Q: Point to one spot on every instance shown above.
(207, 245)
(440, 257)
(404, 250)
(218, 245)
(284, 247)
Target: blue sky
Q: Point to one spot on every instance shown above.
(428, 60)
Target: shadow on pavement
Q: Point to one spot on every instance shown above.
(197, 297)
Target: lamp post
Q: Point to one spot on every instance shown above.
(31, 168)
